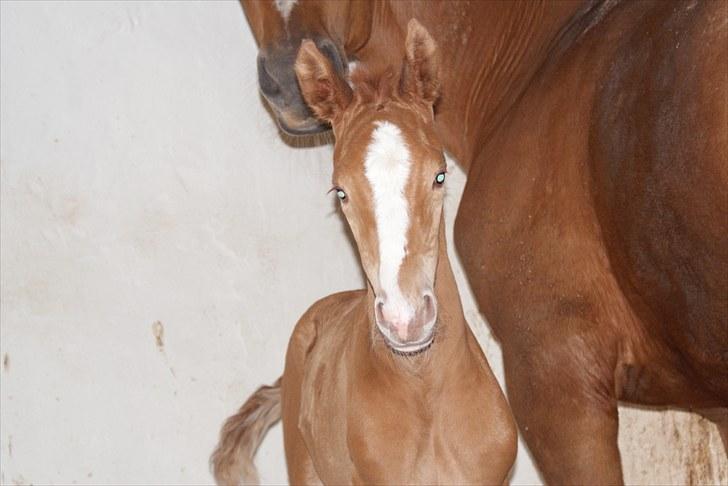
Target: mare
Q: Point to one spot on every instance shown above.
(594, 224)
(386, 385)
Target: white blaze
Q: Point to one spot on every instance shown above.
(387, 167)
(285, 7)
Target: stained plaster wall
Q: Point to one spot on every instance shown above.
(158, 241)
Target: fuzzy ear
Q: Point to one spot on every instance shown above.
(324, 90)
(421, 70)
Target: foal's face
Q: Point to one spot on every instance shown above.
(389, 175)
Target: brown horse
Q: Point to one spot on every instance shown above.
(385, 385)
(594, 223)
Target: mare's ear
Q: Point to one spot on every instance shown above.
(421, 70)
(324, 90)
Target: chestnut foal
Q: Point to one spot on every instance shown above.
(388, 384)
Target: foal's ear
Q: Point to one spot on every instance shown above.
(323, 89)
(421, 70)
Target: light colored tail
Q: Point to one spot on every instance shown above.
(232, 461)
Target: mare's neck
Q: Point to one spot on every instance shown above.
(490, 51)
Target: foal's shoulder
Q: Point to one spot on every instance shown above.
(333, 307)
(319, 322)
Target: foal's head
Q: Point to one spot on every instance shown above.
(389, 171)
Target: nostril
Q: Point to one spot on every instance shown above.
(429, 308)
(328, 48)
(379, 310)
(268, 85)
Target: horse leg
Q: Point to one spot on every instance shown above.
(298, 460)
(300, 464)
(567, 418)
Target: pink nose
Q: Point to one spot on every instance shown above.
(405, 326)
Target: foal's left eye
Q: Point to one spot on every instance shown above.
(440, 178)
(340, 194)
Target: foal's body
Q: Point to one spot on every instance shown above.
(355, 412)
(388, 384)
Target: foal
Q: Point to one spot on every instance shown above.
(388, 384)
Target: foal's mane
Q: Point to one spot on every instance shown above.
(380, 84)
(376, 85)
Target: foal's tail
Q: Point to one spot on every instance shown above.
(232, 461)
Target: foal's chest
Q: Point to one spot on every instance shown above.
(363, 426)
(392, 439)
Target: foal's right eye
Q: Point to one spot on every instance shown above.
(440, 178)
(339, 193)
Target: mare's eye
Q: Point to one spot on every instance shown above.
(440, 178)
(340, 194)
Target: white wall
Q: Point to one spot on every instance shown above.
(142, 181)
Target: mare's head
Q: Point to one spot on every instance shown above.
(389, 172)
(336, 27)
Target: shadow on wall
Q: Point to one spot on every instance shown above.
(300, 141)
(312, 141)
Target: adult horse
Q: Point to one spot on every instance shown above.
(594, 223)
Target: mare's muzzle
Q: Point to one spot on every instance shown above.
(278, 85)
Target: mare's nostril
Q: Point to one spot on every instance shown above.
(328, 48)
(267, 84)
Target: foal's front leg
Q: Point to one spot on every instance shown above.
(298, 460)
(301, 470)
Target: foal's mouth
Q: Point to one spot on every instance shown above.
(415, 352)
(410, 349)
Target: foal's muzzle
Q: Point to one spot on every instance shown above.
(406, 328)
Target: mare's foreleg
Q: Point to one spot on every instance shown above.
(564, 408)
